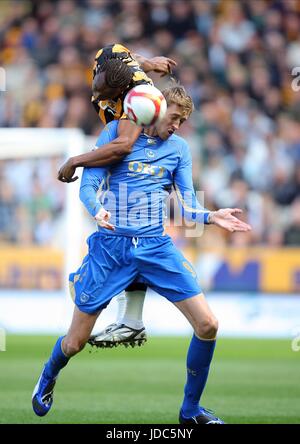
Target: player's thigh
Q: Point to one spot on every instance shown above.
(164, 268)
(105, 272)
(199, 314)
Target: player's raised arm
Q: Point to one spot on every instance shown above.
(190, 206)
(111, 152)
(160, 64)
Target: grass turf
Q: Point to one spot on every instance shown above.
(251, 381)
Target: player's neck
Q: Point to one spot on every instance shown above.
(151, 132)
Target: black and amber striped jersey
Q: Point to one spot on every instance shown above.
(109, 110)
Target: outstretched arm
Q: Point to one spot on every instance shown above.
(112, 151)
(191, 208)
(162, 65)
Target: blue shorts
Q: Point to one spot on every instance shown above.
(114, 262)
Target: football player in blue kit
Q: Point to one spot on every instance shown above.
(116, 70)
(130, 245)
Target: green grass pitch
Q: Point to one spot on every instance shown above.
(251, 381)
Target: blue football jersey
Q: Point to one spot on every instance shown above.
(135, 190)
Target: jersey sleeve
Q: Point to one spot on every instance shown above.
(184, 188)
(93, 179)
(109, 133)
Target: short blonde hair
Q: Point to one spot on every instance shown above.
(177, 95)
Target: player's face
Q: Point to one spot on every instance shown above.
(174, 117)
(102, 91)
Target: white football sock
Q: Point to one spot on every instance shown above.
(121, 307)
(131, 313)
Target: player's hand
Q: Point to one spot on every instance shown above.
(102, 218)
(66, 172)
(162, 65)
(225, 218)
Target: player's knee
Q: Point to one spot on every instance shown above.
(208, 328)
(72, 346)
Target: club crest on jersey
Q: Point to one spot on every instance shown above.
(150, 154)
(84, 298)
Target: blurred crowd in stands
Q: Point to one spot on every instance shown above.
(235, 58)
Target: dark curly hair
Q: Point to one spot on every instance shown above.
(117, 73)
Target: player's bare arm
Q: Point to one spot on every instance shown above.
(160, 64)
(110, 83)
(110, 153)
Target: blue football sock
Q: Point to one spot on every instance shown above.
(57, 360)
(199, 357)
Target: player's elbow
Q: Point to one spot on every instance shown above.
(207, 328)
(123, 146)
